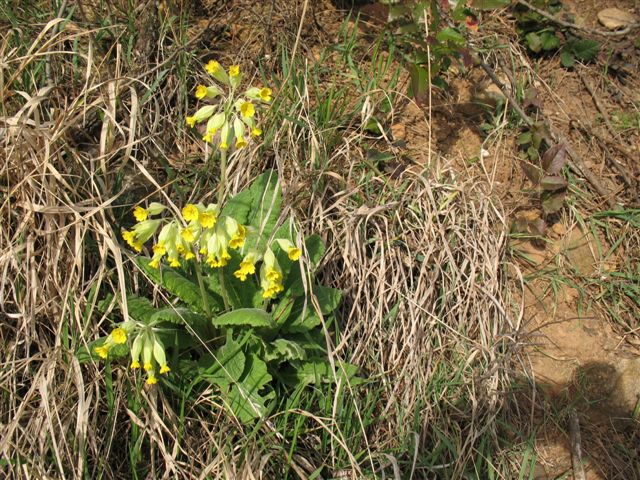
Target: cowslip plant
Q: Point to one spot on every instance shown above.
(241, 317)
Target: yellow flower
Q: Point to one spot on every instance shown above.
(129, 237)
(265, 94)
(190, 212)
(102, 351)
(135, 364)
(147, 367)
(247, 267)
(137, 246)
(119, 335)
(152, 380)
(234, 70)
(187, 235)
(155, 263)
(188, 255)
(164, 368)
(247, 110)
(140, 213)
(237, 240)
(174, 262)
(212, 67)
(256, 132)
(191, 121)
(159, 249)
(294, 253)
(208, 137)
(201, 92)
(224, 146)
(241, 142)
(207, 219)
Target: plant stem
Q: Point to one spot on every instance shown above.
(223, 177)
(223, 289)
(203, 292)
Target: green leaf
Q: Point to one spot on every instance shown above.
(534, 42)
(283, 349)
(178, 285)
(178, 315)
(419, 82)
(398, 11)
(525, 138)
(244, 398)
(583, 48)
(372, 126)
(140, 308)
(567, 59)
(328, 298)
(316, 371)
(258, 206)
(251, 317)
(451, 35)
(226, 367)
(315, 249)
(549, 41)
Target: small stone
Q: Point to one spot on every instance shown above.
(399, 131)
(614, 18)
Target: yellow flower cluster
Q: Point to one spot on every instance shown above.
(201, 233)
(232, 120)
(149, 348)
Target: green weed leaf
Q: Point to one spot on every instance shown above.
(249, 317)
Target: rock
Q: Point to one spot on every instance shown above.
(626, 395)
(614, 18)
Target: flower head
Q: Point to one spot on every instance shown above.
(102, 351)
(152, 380)
(201, 92)
(140, 213)
(212, 67)
(234, 70)
(190, 212)
(119, 335)
(265, 94)
(247, 110)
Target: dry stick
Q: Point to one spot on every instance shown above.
(577, 165)
(576, 446)
(573, 26)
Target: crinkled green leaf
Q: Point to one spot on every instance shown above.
(226, 367)
(140, 308)
(178, 315)
(283, 349)
(244, 398)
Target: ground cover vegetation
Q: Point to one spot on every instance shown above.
(299, 239)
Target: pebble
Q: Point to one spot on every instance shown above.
(614, 18)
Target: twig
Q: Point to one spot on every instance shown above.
(577, 165)
(573, 26)
(576, 446)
